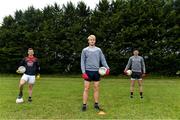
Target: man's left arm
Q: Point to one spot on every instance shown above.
(143, 65)
(103, 62)
(37, 69)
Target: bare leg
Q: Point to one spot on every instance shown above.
(140, 85)
(21, 84)
(132, 87)
(96, 95)
(86, 91)
(140, 82)
(96, 92)
(30, 90)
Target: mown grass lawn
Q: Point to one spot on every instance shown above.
(61, 98)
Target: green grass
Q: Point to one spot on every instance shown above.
(61, 98)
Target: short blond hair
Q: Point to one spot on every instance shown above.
(92, 37)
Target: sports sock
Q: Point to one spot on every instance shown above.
(84, 107)
(20, 94)
(95, 103)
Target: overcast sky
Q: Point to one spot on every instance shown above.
(10, 6)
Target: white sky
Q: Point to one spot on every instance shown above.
(8, 7)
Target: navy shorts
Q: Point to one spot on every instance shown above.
(136, 76)
(93, 76)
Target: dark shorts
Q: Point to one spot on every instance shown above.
(136, 76)
(93, 76)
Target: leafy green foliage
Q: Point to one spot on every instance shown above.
(58, 34)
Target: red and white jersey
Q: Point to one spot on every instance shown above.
(31, 64)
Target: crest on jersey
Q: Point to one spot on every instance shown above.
(30, 63)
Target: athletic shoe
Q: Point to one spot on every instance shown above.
(19, 97)
(29, 99)
(84, 108)
(96, 106)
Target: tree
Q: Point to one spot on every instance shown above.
(58, 35)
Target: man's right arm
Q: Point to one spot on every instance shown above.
(83, 61)
(128, 64)
(83, 58)
(22, 63)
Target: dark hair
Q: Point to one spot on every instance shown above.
(30, 49)
(135, 50)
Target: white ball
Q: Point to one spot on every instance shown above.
(102, 71)
(129, 72)
(19, 100)
(21, 69)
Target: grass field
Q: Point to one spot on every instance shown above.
(61, 98)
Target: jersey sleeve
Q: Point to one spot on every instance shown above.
(83, 61)
(37, 67)
(103, 60)
(143, 65)
(22, 63)
(129, 63)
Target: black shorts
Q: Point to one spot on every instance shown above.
(93, 76)
(136, 76)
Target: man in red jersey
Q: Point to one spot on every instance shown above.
(31, 64)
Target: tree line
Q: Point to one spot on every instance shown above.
(58, 35)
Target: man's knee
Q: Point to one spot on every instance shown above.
(86, 88)
(22, 82)
(140, 84)
(30, 86)
(96, 87)
(132, 84)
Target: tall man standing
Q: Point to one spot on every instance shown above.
(137, 65)
(91, 59)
